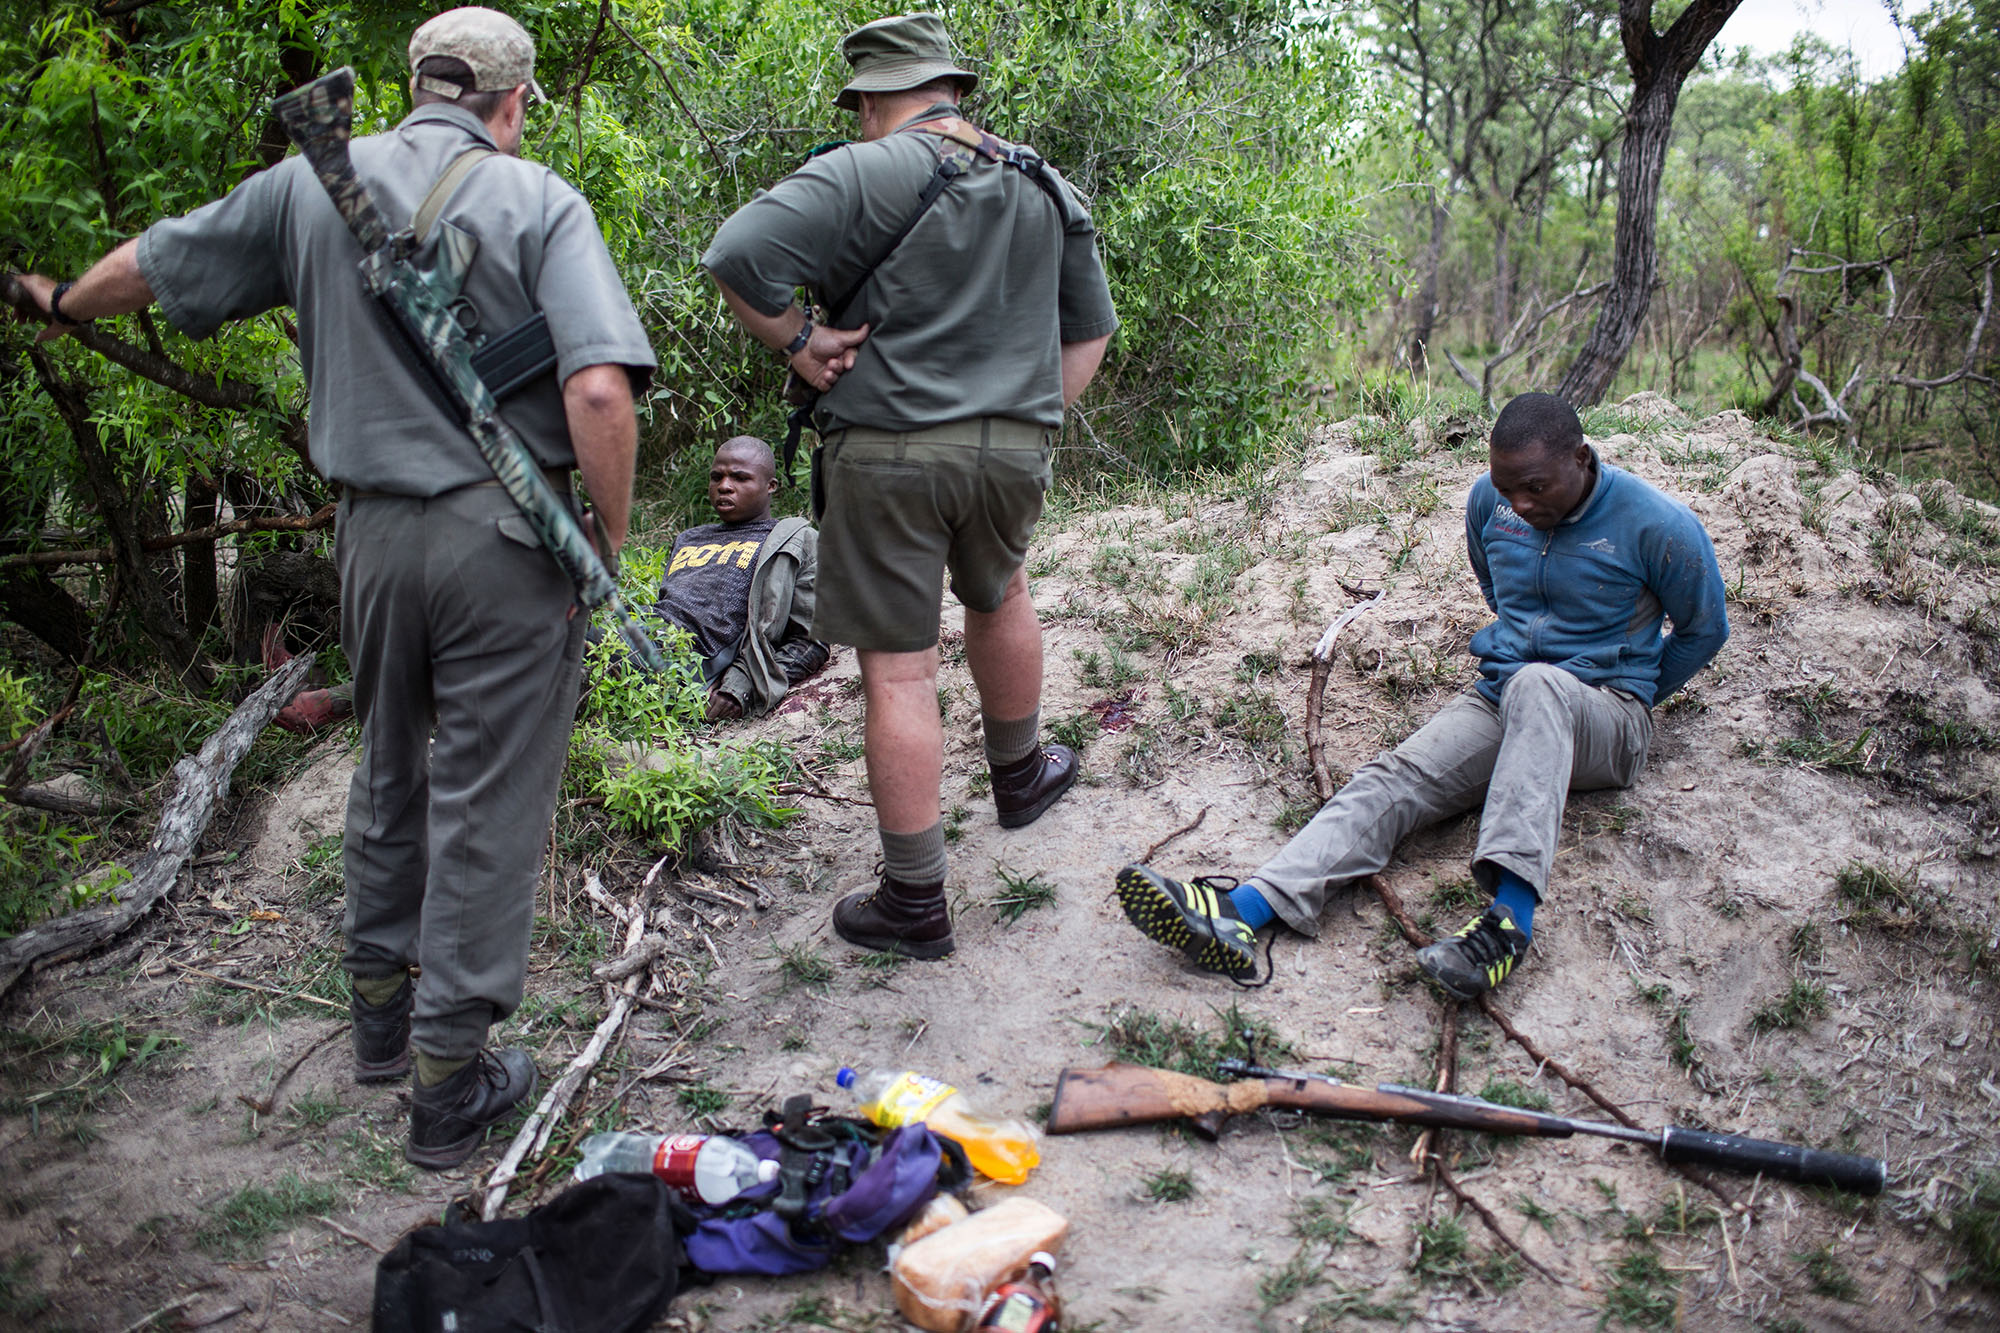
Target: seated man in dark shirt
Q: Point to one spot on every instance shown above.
(743, 587)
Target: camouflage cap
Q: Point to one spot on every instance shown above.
(895, 54)
(498, 51)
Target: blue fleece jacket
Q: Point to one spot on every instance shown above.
(1590, 595)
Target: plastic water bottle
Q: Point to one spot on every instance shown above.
(1025, 1305)
(706, 1168)
(1002, 1149)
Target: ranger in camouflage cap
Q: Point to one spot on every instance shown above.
(494, 47)
(898, 53)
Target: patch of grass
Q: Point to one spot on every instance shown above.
(1537, 1214)
(1801, 1003)
(1445, 1255)
(315, 1109)
(1169, 1185)
(238, 1227)
(1879, 895)
(20, 1296)
(1815, 752)
(1020, 894)
(1507, 1093)
(376, 1159)
(954, 822)
(1256, 719)
(1113, 671)
(1805, 945)
(1975, 1231)
(1299, 1273)
(322, 877)
(1644, 1292)
(1142, 1037)
(1653, 992)
(1322, 1221)
(878, 968)
(1297, 812)
(699, 1099)
(1350, 1150)
(1456, 896)
(1682, 1049)
(803, 966)
(1255, 666)
(1075, 730)
(1827, 1274)
(1336, 1312)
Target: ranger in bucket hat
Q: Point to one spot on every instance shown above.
(458, 624)
(963, 309)
(895, 54)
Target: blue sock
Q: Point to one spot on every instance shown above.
(1518, 897)
(1250, 905)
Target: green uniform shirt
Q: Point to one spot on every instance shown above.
(967, 317)
(276, 240)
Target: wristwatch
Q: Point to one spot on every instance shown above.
(55, 306)
(801, 338)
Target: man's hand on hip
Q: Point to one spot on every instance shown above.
(828, 355)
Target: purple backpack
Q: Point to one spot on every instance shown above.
(860, 1185)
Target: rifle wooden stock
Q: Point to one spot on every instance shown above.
(1122, 1094)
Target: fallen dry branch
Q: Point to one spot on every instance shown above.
(269, 1102)
(1180, 832)
(200, 783)
(235, 984)
(104, 555)
(1458, 1191)
(1322, 668)
(540, 1126)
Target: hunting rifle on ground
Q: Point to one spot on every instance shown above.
(319, 117)
(1123, 1094)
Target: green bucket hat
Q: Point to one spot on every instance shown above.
(895, 54)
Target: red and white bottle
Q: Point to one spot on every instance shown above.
(1026, 1304)
(705, 1168)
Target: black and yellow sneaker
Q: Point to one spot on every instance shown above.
(1197, 918)
(1479, 957)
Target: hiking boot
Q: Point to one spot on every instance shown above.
(1197, 918)
(1478, 957)
(1031, 784)
(448, 1119)
(907, 919)
(381, 1035)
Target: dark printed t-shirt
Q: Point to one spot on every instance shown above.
(706, 590)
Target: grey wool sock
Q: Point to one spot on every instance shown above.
(914, 858)
(1010, 742)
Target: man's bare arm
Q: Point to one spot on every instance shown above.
(604, 430)
(827, 355)
(1079, 365)
(112, 286)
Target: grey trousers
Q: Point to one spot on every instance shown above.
(456, 623)
(1550, 734)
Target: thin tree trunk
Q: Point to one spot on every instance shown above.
(1660, 64)
(1427, 295)
(1503, 282)
(198, 558)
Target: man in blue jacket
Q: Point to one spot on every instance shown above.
(1581, 564)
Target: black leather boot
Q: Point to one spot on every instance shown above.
(1031, 784)
(909, 919)
(381, 1035)
(448, 1119)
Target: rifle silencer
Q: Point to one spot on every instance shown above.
(1786, 1161)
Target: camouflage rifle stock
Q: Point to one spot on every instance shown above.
(319, 118)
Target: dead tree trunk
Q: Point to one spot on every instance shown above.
(200, 783)
(1660, 64)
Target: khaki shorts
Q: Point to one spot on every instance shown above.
(896, 511)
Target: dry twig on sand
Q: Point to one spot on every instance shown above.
(540, 1126)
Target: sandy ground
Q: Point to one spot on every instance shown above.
(1847, 735)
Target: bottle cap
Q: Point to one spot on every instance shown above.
(1042, 1259)
(767, 1169)
(845, 1078)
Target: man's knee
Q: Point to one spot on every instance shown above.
(1538, 682)
(883, 673)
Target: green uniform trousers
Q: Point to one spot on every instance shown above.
(456, 624)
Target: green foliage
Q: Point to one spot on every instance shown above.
(1508, 1093)
(640, 748)
(1643, 1293)
(1803, 1002)
(1169, 1185)
(1975, 1229)
(1142, 1037)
